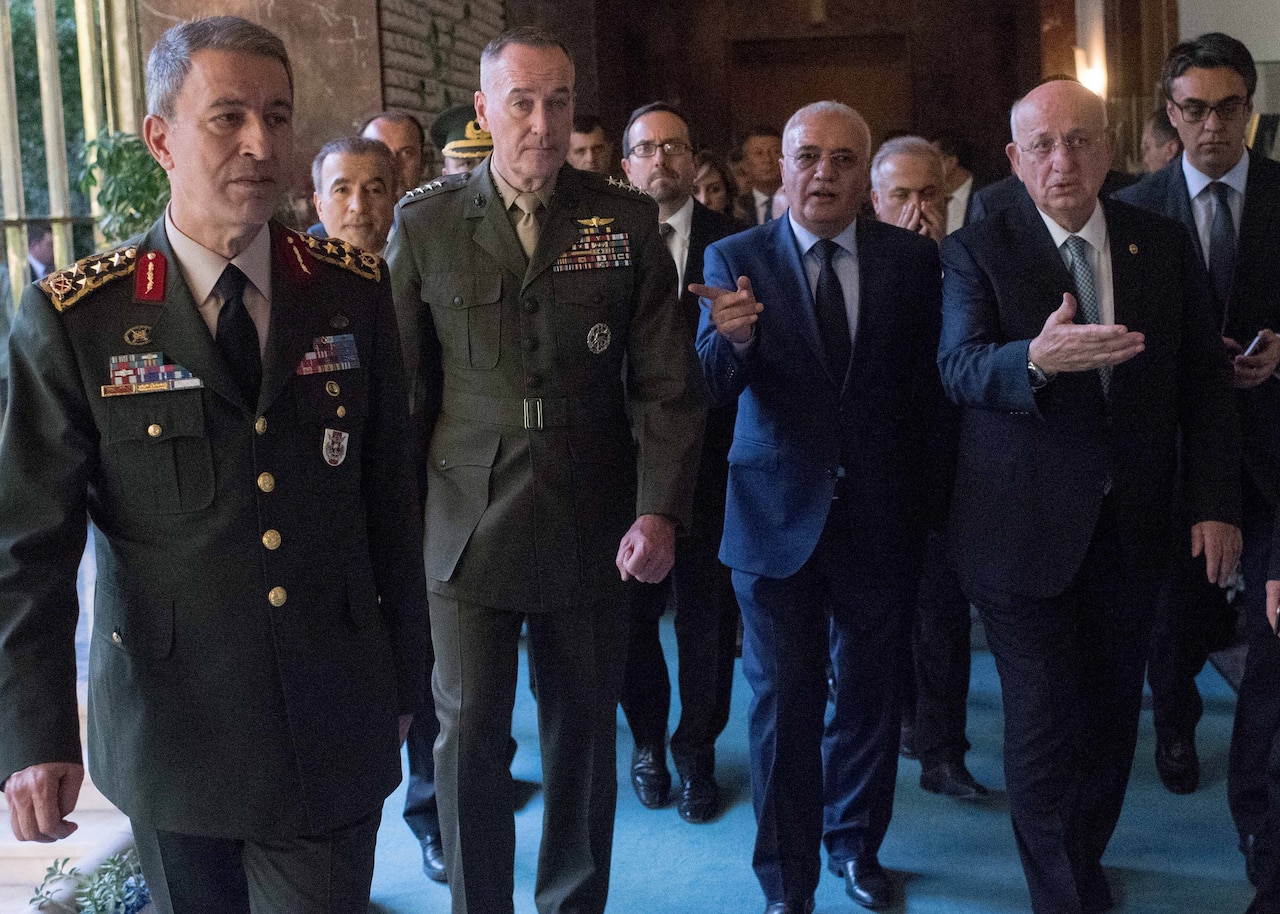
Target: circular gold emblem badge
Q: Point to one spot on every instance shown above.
(138, 336)
(598, 338)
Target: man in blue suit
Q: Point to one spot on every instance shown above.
(1078, 339)
(824, 326)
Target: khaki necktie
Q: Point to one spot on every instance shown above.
(527, 224)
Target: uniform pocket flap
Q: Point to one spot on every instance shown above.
(461, 290)
(155, 417)
(475, 450)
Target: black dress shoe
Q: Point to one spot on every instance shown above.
(433, 860)
(790, 907)
(1178, 764)
(649, 775)
(951, 779)
(865, 881)
(699, 799)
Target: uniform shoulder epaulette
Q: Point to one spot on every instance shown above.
(343, 254)
(431, 188)
(617, 186)
(66, 287)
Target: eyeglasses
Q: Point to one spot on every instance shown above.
(1194, 111)
(669, 148)
(1077, 144)
(808, 159)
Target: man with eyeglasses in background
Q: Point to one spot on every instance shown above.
(658, 159)
(826, 497)
(1229, 202)
(1078, 340)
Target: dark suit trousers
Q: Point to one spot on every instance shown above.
(706, 631)
(325, 874)
(812, 785)
(1253, 800)
(1071, 670)
(578, 652)
(421, 813)
(940, 645)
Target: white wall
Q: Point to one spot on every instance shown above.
(1255, 22)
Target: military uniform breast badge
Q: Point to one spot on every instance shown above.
(598, 246)
(146, 373)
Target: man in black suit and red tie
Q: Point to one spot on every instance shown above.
(1078, 338)
(658, 158)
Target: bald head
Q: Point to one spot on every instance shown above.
(1061, 150)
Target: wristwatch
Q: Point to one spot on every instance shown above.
(1036, 375)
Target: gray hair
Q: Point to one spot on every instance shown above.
(356, 146)
(529, 36)
(829, 107)
(170, 60)
(916, 146)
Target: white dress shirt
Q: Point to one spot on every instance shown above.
(844, 262)
(678, 241)
(202, 268)
(957, 204)
(1094, 232)
(1204, 205)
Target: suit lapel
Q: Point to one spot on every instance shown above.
(179, 331)
(873, 291)
(783, 249)
(1126, 272)
(290, 333)
(1041, 256)
(493, 230)
(693, 264)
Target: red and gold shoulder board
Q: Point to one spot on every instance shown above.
(301, 248)
(68, 286)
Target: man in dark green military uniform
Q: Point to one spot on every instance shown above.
(223, 398)
(563, 413)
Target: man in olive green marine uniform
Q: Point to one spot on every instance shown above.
(223, 398)
(558, 389)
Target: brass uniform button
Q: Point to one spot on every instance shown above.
(342, 411)
(261, 425)
(266, 482)
(271, 539)
(154, 430)
(332, 388)
(277, 596)
(115, 636)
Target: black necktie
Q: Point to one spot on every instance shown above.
(1222, 244)
(833, 318)
(237, 337)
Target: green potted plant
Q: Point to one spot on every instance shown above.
(133, 189)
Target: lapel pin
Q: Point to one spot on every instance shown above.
(1133, 249)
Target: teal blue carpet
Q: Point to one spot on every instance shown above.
(1170, 855)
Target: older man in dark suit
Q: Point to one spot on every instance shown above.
(824, 327)
(658, 158)
(223, 398)
(1078, 338)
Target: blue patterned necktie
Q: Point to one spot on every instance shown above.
(833, 318)
(237, 337)
(1086, 293)
(1222, 244)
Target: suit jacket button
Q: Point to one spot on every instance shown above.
(115, 636)
(261, 425)
(457, 299)
(266, 482)
(530, 306)
(271, 539)
(342, 411)
(154, 430)
(277, 596)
